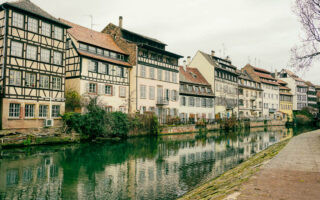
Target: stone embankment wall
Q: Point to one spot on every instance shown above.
(211, 127)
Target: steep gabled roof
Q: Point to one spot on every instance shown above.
(28, 6)
(293, 75)
(86, 35)
(192, 75)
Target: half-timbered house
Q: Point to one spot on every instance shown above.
(32, 65)
(96, 66)
(154, 78)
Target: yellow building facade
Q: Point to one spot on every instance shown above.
(286, 104)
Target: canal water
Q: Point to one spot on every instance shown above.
(163, 167)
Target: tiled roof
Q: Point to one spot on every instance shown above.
(267, 76)
(192, 75)
(269, 82)
(30, 7)
(261, 70)
(92, 37)
(286, 93)
(284, 88)
(143, 36)
(281, 81)
(91, 55)
(295, 77)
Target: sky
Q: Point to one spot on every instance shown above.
(259, 32)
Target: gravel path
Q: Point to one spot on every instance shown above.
(293, 174)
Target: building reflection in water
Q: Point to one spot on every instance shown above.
(143, 168)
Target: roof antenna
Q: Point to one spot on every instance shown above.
(91, 21)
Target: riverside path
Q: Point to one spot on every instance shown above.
(293, 174)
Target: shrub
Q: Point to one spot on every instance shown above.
(154, 125)
(303, 119)
(120, 124)
(72, 100)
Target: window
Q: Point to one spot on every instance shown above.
(31, 52)
(108, 89)
(56, 83)
(203, 102)
(159, 74)
(83, 46)
(17, 20)
(16, 48)
(151, 71)
(29, 110)
(30, 80)
(151, 92)
(32, 24)
(14, 110)
(174, 77)
(92, 88)
(143, 92)
(167, 76)
(198, 101)
(122, 109)
(57, 58)
(120, 71)
(123, 91)
(44, 81)
(174, 95)
(93, 66)
(46, 29)
(55, 111)
(101, 68)
(92, 49)
(100, 51)
(143, 71)
(113, 55)
(191, 101)
(108, 109)
(15, 77)
(183, 101)
(43, 110)
(106, 53)
(57, 33)
(45, 55)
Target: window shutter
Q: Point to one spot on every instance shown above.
(87, 87)
(99, 88)
(114, 90)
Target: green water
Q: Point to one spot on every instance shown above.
(141, 168)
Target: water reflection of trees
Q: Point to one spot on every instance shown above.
(136, 168)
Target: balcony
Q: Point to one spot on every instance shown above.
(162, 102)
(253, 98)
(272, 110)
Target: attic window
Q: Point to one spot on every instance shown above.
(193, 75)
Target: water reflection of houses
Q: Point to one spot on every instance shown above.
(162, 168)
(179, 165)
(33, 177)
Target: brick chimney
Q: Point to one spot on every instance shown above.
(213, 53)
(120, 21)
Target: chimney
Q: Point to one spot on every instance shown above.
(228, 58)
(120, 21)
(276, 73)
(188, 60)
(212, 53)
(184, 66)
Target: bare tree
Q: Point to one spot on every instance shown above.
(308, 12)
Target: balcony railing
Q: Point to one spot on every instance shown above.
(272, 110)
(162, 101)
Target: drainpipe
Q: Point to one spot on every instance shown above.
(4, 43)
(137, 77)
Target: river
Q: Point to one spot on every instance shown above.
(163, 167)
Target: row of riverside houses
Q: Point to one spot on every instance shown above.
(41, 57)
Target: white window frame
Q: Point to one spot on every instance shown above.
(29, 110)
(56, 83)
(55, 110)
(93, 88)
(143, 92)
(151, 72)
(16, 48)
(57, 58)
(15, 77)
(159, 74)
(30, 80)
(58, 33)
(143, 71)
(151, 92)
(46, 29)
(93, 66)
(32, 52)
(122, 92)
(167, 75)
(17, 20)
(43, 111)
(14, 110)
(44, 82)
(108, 89)
(33, 24)
(45, 55)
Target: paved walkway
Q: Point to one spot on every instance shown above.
(293, 174)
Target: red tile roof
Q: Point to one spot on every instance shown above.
(281, 81)
(84, 53)
(269, 82)
(267, 76)
(192, 75)
(92, 37)
(261, 70)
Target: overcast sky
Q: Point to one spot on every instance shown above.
(261, 31)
